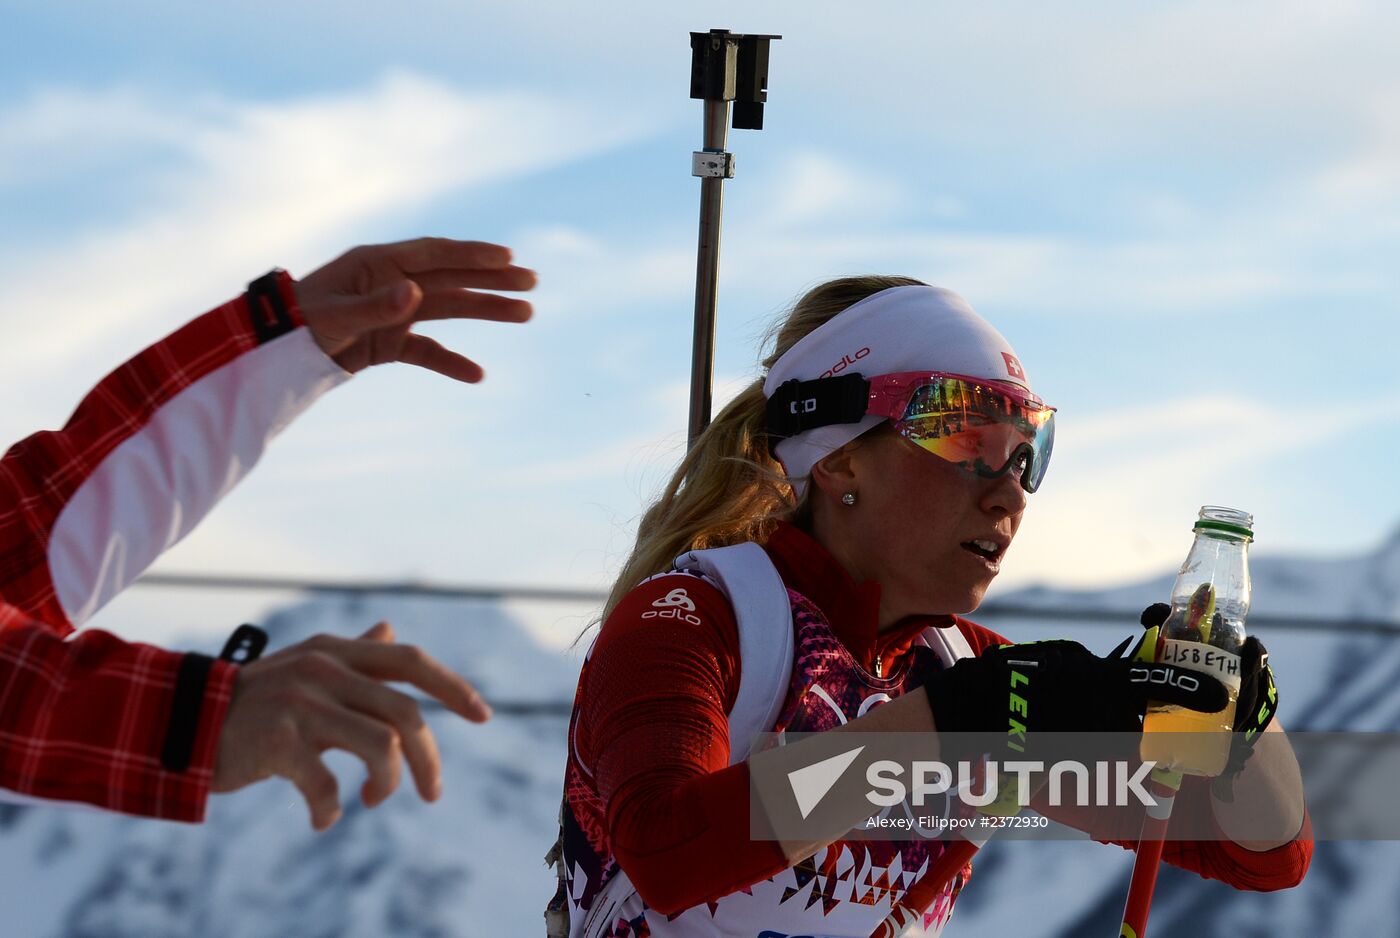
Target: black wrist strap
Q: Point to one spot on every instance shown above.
(185, 705)
(244, 645)
(268, 306)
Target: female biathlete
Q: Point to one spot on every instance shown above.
(874, 478)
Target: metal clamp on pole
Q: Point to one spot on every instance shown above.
(712, 165)
(725, 67)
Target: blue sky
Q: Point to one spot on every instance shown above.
(1185, 218)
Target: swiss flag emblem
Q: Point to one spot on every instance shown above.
(1013, 366)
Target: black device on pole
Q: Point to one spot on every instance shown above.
(724, 67)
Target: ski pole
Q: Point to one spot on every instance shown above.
(920, 896)
(1165, 784)
(1200, 610)
(724, 67)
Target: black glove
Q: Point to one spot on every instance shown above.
(1258, 699)
(1060, 687)
(1258, 694)
(1254, 711)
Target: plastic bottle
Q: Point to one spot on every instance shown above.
(1204, 632)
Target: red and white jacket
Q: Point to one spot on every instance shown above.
(86, 509)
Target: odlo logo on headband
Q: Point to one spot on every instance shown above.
(845, 362)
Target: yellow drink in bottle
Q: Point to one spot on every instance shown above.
(1204, 633)
(1202, 753)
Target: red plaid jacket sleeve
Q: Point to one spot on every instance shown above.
(85, 720)
(84, 510)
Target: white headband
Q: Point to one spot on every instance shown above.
(899, 329)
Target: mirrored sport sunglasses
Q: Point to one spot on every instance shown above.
(986, 427)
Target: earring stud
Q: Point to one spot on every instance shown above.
(848, 499)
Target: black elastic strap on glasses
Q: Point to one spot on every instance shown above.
(805, 405)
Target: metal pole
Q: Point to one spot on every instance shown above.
(725, 69)
(702, 359)
(1148, 859)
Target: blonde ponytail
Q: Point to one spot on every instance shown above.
(729, 488)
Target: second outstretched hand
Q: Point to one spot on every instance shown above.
(329, 693)
(362, 306)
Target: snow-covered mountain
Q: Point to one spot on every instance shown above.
(472, 863)
(1365, 587)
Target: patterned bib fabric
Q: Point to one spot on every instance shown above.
(845, 889)
(829, 688)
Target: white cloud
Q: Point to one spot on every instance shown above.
(1067, 275)
(587, 273)
(1188, 273)
(287, 182)
(1091, 77)
(634, 456)
(648, 455)
(61, 130)
(1028, 60)
(813, 187)
(1125, 485)
(1370, 173)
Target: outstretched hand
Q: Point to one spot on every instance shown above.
(328, 693)
(362, 306)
